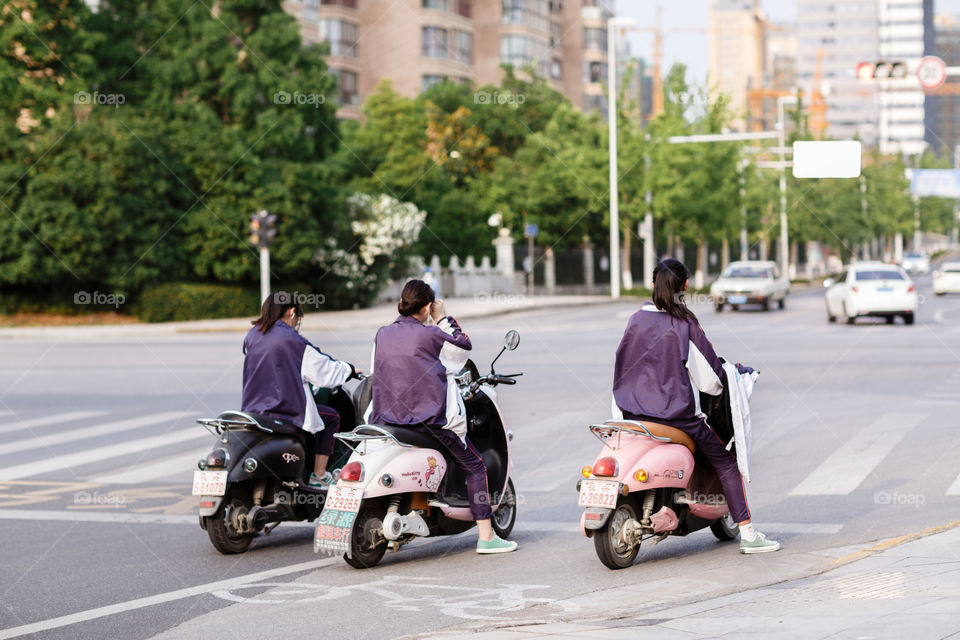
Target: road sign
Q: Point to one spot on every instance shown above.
(936, 183)
(932, 72)
(531, 231)
(826, 159)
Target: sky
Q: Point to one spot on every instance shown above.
(690, 47)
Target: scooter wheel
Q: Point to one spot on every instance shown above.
(725, 528)
(222, 527)
(506, 514)
(367, 544)
(613, 553)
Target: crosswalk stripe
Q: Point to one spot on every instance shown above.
(182, 464)
(52, 439)
(954, 489)
(79, 458)
(850, 465)
(45, 420)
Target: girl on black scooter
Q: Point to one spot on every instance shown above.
(663, 363)
(278, 368)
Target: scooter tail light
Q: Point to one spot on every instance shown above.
(216, 459)
(352, 472)
(606, 467)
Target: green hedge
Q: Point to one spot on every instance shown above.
(189, 301)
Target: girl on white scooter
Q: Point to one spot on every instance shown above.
(663, 363)
(412, 387)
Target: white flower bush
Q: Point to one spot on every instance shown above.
(382, 227)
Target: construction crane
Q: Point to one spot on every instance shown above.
(818, 106)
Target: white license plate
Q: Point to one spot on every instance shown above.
(209, 483)
(737, 299)
(342, 498)
(599, 493)
(885, 289)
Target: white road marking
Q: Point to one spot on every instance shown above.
(942, 394)
(936, 403)
(182, 464)
(79, 458)
(160, 598)
(954, 489)
(850, 465)
(45, 420)
(112, 517)
(49, 440)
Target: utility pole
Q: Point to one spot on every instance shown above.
(647, 234)
(612, 24)
(744, 249)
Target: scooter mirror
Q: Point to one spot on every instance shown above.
(512, 340)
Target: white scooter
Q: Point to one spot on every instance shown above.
(397, 486)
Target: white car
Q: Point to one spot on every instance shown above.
(750, 282)
(946, 279)
(916, 263)
(871, 289)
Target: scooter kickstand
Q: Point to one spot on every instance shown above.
(270, 527)
(660, 538)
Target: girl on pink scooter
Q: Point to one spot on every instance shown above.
(663, 363)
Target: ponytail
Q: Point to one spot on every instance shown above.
(669, 282)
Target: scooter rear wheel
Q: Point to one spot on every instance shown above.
(222, 527)
(367, 544)
(506, 514)
(725, 528)
(612, 553)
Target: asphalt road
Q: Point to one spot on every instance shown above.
(855, 442)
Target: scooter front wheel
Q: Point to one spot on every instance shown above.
(223, 527)
(613, 553)
(367, 544)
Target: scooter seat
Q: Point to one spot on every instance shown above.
(677, 436)
(412, 436)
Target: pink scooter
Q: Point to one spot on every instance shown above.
(644, 485)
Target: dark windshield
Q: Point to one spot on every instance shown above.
(879, 274)
(748, 272)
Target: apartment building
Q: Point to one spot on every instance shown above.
(417, 43)
(943, 126)
(736, 32)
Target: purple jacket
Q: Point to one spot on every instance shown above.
(409, 375)
(662, 366)
(277, 366)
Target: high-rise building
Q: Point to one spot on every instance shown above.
(887, 113)
(943, 128)
(416, 43)
(736, 39)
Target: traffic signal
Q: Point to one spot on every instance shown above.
(881, 70)
(263, 229)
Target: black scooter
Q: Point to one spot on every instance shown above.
(256, 475)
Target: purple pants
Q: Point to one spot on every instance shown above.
(725, 464)
(323, 441)
(470, 460)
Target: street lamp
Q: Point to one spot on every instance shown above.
(623, 22)
(784, 239)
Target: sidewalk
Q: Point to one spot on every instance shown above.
(906, 587)
(373, 317)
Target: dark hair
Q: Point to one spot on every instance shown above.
(275, 307)
(416, 295)
(669, 278)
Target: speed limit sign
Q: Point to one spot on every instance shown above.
(932, 72)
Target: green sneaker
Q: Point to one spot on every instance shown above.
(496, 545)
(760, 544)
(321, 481)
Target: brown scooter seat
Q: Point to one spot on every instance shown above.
(677, 436)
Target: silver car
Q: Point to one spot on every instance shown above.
(917, 262)
(750, 282)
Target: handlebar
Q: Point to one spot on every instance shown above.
(499, 379)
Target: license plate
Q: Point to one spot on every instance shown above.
(737, 299)
(885, 289)
(341, 498)
(599, 493)
(209, 483)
